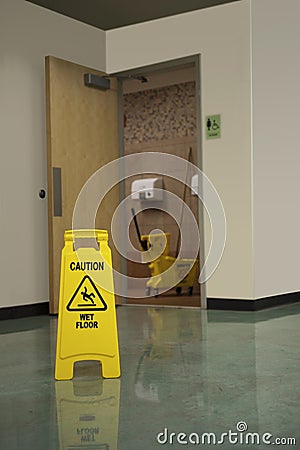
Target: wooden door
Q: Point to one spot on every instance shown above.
(82, 136)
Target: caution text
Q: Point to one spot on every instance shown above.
(87, 265)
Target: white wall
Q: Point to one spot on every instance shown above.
(222, 36)
(276, 166)
(27, 34)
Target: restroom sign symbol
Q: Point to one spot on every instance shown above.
(87, 297)
(213, 126)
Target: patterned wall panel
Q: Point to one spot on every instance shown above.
(160, 114)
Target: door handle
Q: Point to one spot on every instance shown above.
(42, 193)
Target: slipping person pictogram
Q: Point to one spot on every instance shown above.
(87, 297)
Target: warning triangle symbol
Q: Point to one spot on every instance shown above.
(87, 297)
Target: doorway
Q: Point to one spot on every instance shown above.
(162, 114)
(77, 147)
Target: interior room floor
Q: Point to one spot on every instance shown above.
(167, 300)
(183, 371)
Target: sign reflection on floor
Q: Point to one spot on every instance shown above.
(88, 414)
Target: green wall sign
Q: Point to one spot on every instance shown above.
(213, 126)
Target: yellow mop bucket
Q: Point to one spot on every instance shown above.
(168, 272)
(157, 244)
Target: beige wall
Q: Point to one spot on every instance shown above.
(27, 34)
(222, 36)
(276, 156)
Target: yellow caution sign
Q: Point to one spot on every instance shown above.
(88, 414)
(87, 328)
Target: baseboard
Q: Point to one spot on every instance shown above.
(252, 305)
(227, 304)
(17, 312)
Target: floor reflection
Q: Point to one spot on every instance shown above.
(88, 414)
(183, 370)
(163, 343)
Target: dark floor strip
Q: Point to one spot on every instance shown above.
(17, 312)
(252, 305)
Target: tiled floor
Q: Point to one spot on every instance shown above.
(183, 371)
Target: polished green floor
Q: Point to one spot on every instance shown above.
(183, 371)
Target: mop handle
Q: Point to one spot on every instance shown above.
(143, 243)
(183, 198)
